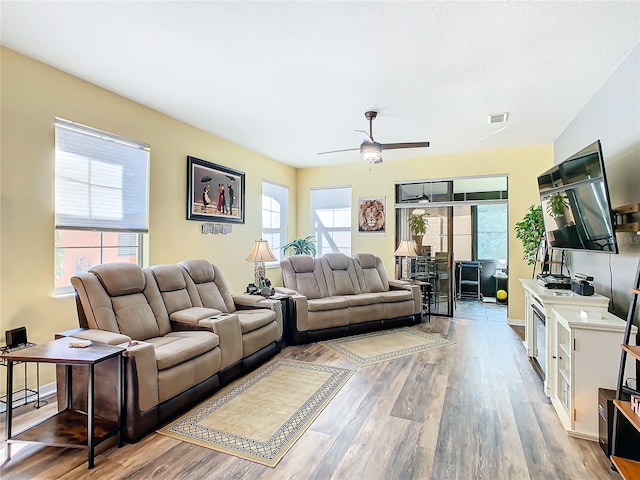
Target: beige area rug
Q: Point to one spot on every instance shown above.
(262, 415)
(376, 347)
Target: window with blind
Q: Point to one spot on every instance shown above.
(274, 217)
(101, 200)
(331, 219)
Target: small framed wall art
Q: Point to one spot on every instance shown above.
(214, 193)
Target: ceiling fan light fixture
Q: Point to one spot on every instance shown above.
(371, 152)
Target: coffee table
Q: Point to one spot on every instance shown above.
(69, 427)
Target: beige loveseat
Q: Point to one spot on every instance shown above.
(185, 336)
(337, 295)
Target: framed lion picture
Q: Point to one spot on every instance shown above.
(371, 216)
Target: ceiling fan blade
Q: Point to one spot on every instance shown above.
(363, 137)
(338, 151)
(390, 146)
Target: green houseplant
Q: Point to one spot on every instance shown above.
(418, 224)
(557, 205)
(301, 246)
(530, 230)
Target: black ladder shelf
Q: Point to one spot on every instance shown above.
(627, 468)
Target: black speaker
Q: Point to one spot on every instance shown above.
(582, 287)
(628, 443)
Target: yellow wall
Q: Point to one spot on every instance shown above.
(32, 95)
(522, 165)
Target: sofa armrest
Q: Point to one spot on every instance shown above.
(247, 300)
(301, 308)
(286, 291)
(398, 283)
(141, 372)
(95, 335)
(415, 290)
(227, 327)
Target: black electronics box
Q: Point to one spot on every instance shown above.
(582, 287)
(628, 436)
(554, 281)
(15, 337)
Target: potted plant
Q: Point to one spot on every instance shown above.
(301, 246)
(418, 226)
(557, 204)
(530, 230)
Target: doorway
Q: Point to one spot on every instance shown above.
(463, 249)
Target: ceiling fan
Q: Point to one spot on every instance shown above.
(370, 150)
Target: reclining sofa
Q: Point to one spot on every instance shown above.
(336, 295)
(185, 336)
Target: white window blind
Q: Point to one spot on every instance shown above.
(101, 180)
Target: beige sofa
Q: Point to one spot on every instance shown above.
(185, 336)
(337, 295)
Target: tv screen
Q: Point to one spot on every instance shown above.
(575, 203)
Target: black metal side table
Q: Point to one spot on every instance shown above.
(69, 427)
(24, 395)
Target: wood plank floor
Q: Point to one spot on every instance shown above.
(474, 410)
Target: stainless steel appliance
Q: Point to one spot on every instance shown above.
(540, 355)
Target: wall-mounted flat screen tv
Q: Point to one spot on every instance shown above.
(575, 203)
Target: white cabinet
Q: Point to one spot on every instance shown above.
(585, 357)
(547, 300)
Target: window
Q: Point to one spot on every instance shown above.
(102, 200)
(331, 219)
(274, 217)
(491, 233)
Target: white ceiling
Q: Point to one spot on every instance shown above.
(290, 79)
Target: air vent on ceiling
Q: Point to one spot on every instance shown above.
(498, 117)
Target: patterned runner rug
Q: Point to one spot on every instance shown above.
(262, 415)
(376, 347)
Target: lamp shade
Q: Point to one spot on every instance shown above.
(261, 252)
(406, 249)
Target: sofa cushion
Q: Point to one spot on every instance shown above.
(302, 263)
(303, 274)
(363, 299)
(168, 277)
(135, 317)
(337, 261)
(120, 278)
(370, 273)
(340, 274)
(177, 347)
(393, 296)
(251, 320)
(327, 303)
(172, 284)
(210, 285)
(193, 315)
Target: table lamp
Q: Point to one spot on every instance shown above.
(405, 250)
(259, 254)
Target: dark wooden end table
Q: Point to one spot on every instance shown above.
(68, 428)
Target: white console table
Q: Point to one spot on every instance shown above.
(547, 300)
